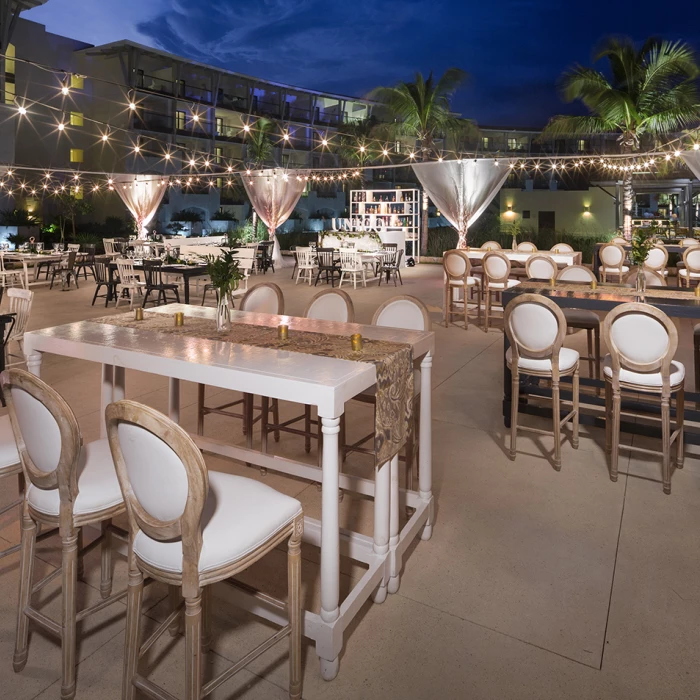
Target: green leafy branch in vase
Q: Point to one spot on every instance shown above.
(224, 272)
(643, 240)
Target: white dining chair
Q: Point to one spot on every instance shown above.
(583, 319)
(70, 485)
(526, 247)
(690, 274)
(642, 341)
(457, 277)
(541, 267)
(612, 262)
(536, 327)
(20, 304)
(619, 240)
(190, 528)
(491, 245)
(351, 265)
(305, 265)
(496, 279)
(687, 242)
(10, 466)
(657, 259)
(264, 298)
(10, 277)
(73, 247)
(652, 277)
(129, 281)
(561, 248)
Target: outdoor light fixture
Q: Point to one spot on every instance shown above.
(246, 128)
(285, 137)
(22, 110)
(132, 106)
(195, 117)
(61, 126)
(586, 209)
(324, 142)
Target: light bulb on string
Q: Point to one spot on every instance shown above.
(411, 155)
(206, 163)
(137, 148)
(246, 128)
(385, 152)
(22, 110)
(229, 169)
(61, 126)
(105, 137)
(668, 156)
(132, 106)
(362, 149)
(676, 153)
(192, 163)
(195, 117)
(324, 142)
(285, 136)
(696, 146)
(167, 156)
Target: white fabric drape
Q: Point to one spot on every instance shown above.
(462, 189)
(142, 195)
(692, 160)
(274, 193)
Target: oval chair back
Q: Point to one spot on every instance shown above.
(163, 477)
(47, 435)
(653, 278)
(687, 242)
(527, 247)
(496, 268)
(265, 298)
(541, 267)
(657, 259)
(612, 255)
(619, 240)
(641, 338)
(691, 258)
(331, 305)
(576, 273)
(403, 312)
(456, 265)
(536, 328)
(561, 248)
(491, 245)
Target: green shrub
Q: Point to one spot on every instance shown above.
(299, 239)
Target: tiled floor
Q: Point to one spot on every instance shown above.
(536, 584)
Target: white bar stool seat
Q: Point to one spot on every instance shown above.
(647, 379)
(568, 359)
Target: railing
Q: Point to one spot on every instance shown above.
(154, 84)
(153, 121)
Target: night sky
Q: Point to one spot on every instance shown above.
(513, 50)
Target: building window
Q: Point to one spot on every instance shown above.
(76, 118)
(219, 126)
(512, 143)
(220, 182)
(9, 93)
(218, 155)
(485, 143)
(77, 82)
(180, 119)
(526, 213)
(76, 155)
(582, 145)
(9, 62)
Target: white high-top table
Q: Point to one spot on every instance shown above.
(324, 382)
(521, 256)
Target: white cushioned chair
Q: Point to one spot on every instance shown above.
(690, 274)
(496, 279)
(457, 276)
(9, 466)
(541, 267)
(612, 259)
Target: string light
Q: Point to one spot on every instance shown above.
(246, 128)
(61, 126)
(132, 106)
(22, 110)
(285, 136)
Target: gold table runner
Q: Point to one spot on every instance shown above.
(393, 362)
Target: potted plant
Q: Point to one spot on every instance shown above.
(642, 242)
(225, 275)
(515, 229)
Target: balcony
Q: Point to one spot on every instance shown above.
(152, 83)
(145, 120)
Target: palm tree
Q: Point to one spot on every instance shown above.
(651, 93)
(422, 111)
(356, 145)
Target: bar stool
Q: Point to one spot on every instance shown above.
(584, 319)
(642, 341)
(457, 269)
(691, 272)
(190, 528)
(495, 280)
(612, 259)
(561, 248)
(535, 327)
(70, 485)
(657, 259)
(541, 267)
(9, 466)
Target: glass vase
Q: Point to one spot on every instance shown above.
(641, 281)
(515, 243)
(223, 311)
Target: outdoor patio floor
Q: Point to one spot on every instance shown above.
(536, 583)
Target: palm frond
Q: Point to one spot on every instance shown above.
(566, 126)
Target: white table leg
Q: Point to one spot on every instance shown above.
(174, 399)
(106, 396)
(382, 496)
(26, 273)
(425, 449)
(394, 579)
(330, 537)
(34, 363)
(119, 387)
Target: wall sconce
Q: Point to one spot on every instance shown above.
(586, 210)
(509, 213)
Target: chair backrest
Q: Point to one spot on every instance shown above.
(456, 265)
(657, 258)
(652, 277)
(496, 267)
(325, 257)
(74, 246)
(125, 267)
(47, 435)
(109, 245)
(491, 245)
(20, 305)
(536, 328)
(527, 247)
(350, 259)
(687, 242)
(612, 255)
(691, 258)
(641, 338)
(403, 312)
(576, 273)
(152, 272)
(331, 305)
(245, 253)
(265, 298)
(561, 248)
(619, 240)
(305, 257)
(541, 267)
(68, 260)
(390, 246)
(163, 478)
(101, 269)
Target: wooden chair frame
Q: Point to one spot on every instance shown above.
(691, 250)
(544, 258)
(488, 281)
(526, 247)
(662, 267)
(449, 305)
(614, 387)
(650, 273)
(561, 248)
(192, 583)
(603, 265)
(552, 352)
(491, 245)
(65, 478)
(12, 470)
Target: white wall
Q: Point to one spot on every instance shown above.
(569, 207)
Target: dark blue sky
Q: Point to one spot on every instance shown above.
(514, 50)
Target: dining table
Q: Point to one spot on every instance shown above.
(676, 302)
(187, 272)
(27, 260)
(521, 256)
(324, 382)
(671, 247)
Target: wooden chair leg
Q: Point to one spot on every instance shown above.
(596, 336)
(81, 545)
(575, 391)
(514, 399)
(26, 575)
(276, 417)
(589, 338)
(680, 427)
(465, 295)
(193, 647)
(174, 598)
(206, 622)
(69, 578)
(615, 434)
(487, 309)
(696, 356)
(294, 608)
(666, 443)
(608, 418)
(200, 409)
(132, 634)
(307, 429)
(264, 415)
(556, 424)
(106, 560)
(446, 303)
